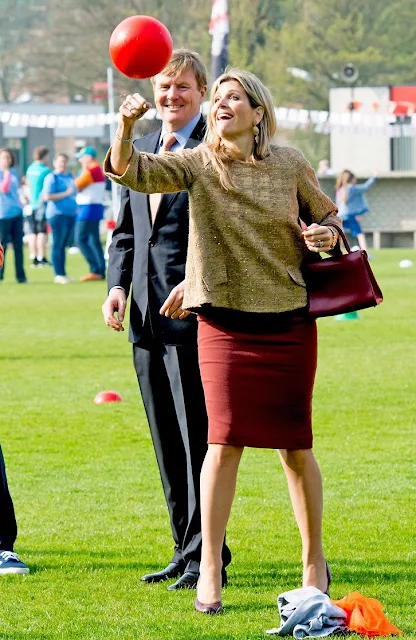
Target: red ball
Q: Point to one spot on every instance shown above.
(140, 46)
(107, 396)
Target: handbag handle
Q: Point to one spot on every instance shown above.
(342, 235)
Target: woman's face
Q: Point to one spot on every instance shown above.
(232, 113)
(60, 163)
(5, 160)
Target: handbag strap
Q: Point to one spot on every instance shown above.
(342, 235)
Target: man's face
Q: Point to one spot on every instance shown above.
(178, 99)
(85, 161)
(60, 164)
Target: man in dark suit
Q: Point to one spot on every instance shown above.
(148, 255)
(9, 561)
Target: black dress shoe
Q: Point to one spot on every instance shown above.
(190, 578)
(187, 581)
(173, 570)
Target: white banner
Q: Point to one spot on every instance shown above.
(287, 118)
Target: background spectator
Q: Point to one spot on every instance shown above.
(61, 209)
(11, 215)
(38, 235)
(351, 202)
(91, 187)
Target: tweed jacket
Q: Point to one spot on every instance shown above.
(245, 249)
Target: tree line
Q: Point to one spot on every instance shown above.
(56, 51)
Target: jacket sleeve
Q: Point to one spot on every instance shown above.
(361, 188)
(164, 173)
(84, 180)
(121, 249)
(6, 182)
(49, 184)
(314, 204)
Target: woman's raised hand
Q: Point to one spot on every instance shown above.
(134, 107)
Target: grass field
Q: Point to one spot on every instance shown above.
(89, 502)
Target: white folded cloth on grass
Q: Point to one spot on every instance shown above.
(308, 613)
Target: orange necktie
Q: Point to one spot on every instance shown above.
(169, 140)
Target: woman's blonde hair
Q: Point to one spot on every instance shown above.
(259, 96)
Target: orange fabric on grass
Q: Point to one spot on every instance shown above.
(365, 615)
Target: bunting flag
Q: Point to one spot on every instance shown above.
(219, 29)
(325, 122)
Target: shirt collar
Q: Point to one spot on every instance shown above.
(182, 135)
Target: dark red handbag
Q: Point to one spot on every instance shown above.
(341, 283)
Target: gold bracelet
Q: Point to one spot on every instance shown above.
(335, 237)
(124, 139)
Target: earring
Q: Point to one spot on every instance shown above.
(256, 132)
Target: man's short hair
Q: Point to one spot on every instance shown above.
(39, 153)
(183, 60)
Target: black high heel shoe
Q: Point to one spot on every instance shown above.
(329, 578)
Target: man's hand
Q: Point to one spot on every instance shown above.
(116, 302)
(172, 307)
(1, 256)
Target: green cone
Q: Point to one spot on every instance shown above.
(352, 315)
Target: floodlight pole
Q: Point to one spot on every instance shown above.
(111, 110)
(112, 127)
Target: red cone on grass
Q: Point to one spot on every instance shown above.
(107, 396)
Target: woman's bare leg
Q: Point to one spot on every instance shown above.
(218, 482)
(305, 489)
(362, 241)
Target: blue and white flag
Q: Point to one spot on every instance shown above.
(219, 29)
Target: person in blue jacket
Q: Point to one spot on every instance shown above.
(59, 192)
(351, 202)
(11, 214)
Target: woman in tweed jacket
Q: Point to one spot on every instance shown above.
(257, 346)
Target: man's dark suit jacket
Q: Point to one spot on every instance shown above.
(152, 260)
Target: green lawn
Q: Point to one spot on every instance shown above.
(89, 502)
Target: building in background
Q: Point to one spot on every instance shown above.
(60, 127)
(380, 135)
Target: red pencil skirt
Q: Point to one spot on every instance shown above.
(258, 387)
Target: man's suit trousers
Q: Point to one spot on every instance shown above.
(8, 526)
(173, 398)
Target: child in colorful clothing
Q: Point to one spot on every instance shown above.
(352, 203)
(91, 187)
